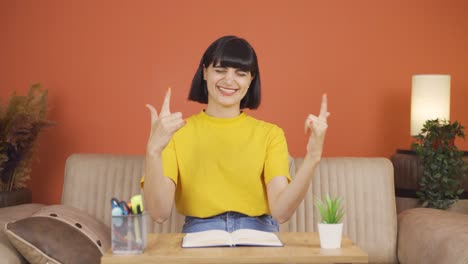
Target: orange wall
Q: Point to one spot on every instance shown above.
(103, 60)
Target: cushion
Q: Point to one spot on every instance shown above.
(432, 236)
(8, 253)
(59, 234)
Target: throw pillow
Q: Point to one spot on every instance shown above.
(59, 234)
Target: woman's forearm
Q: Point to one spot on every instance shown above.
(159, 189)
(292, 194)
(283, 198)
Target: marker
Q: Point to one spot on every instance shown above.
(137, 202)
(117, 220)
(137, 209)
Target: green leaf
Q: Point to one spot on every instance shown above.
(330, 209)
(443, 164)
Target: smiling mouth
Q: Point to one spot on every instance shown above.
(226, 91)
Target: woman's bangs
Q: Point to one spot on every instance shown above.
(237, 55)
(244, 64)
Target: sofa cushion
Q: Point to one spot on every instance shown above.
(59, 234)
(8, 253)
(432, 236)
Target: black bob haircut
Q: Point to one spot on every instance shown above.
(229, 51)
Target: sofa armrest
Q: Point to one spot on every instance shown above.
(432, 236)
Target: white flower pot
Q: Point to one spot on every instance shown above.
(330, 235)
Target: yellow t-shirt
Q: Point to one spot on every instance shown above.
(224, 164)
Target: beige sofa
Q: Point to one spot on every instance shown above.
(365, 183)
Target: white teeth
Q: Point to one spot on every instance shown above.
(227, 90)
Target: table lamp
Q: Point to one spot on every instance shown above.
(430, 99)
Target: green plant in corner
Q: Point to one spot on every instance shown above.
(330, 209)
(443, 165)
(21, 120)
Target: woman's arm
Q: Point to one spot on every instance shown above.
(284, 198)
(158, 189)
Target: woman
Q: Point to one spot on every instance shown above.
(225, 169)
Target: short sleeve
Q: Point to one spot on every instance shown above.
(276, 160)
(169, 162)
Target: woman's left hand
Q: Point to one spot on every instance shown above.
(318, 126)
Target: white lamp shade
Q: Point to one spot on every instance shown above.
(430, 99)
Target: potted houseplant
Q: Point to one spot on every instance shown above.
(22, 118)
(330, 229)
(443, 164)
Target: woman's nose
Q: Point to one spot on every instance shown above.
(229, 77)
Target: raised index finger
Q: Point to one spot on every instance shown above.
(323, 106)
(165, 107)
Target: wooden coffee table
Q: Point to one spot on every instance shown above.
(298, 248)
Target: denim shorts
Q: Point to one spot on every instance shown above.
(230, 221)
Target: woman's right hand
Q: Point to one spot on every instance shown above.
(163, 126)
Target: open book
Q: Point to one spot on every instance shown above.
(241, 237)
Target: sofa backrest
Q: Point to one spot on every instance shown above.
(367, 188)
(366, 185)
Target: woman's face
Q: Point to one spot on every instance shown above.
(226, 86)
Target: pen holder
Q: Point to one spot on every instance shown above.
(129, 233)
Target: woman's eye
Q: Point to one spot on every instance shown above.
(219, 71)
(242, 74)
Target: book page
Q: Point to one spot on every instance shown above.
(251, 237)
(210, 238)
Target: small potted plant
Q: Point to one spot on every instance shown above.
(331, 228)
(442, 162)
(21, 121)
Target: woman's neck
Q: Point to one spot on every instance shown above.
(221, 111)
